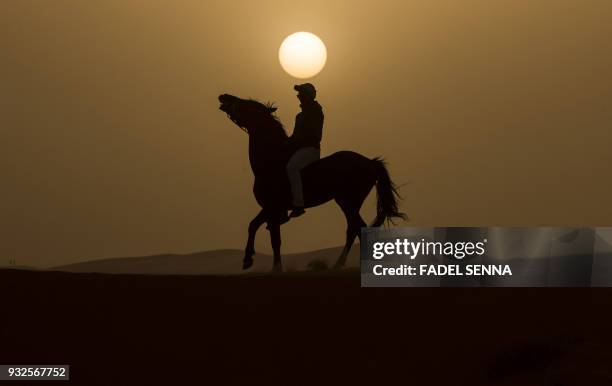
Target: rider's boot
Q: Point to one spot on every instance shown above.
(284, 218)
(297, 212)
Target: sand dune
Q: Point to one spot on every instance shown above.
(216, 262)
(274, 329)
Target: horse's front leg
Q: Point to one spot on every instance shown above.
(275, 237)
(249, 251)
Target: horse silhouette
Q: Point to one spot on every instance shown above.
(346, 177)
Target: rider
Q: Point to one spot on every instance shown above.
(305, 142)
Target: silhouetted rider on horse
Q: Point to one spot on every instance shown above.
(304, 143)
(345, 176)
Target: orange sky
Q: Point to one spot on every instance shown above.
(490, 113)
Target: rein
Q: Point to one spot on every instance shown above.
(236, 122)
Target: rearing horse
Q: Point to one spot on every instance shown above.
(345, 176)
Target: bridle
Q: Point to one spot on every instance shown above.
(235, 121)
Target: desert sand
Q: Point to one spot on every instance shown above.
(316, 326)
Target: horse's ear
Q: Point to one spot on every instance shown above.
(271, 109)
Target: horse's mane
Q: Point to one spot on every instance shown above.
(270, 117)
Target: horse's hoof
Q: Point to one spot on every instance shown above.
(338, 265)
(247, 263)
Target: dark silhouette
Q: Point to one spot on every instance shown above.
(304, 143)
(345, 176)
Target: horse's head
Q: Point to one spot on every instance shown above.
(248, 114)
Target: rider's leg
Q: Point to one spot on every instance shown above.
(302, 158)
(294, 166)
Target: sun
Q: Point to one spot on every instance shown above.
(302, 55)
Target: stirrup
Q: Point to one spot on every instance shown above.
(283, 220)
(297, 212)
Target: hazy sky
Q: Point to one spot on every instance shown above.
(112, 144)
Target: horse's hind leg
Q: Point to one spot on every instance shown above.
(354, 222)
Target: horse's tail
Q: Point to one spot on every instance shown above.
(387, 196)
